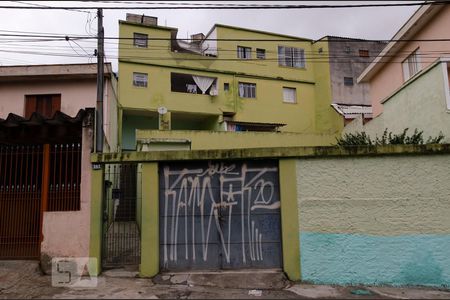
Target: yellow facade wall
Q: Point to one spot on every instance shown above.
(310, 115)
(204, 139)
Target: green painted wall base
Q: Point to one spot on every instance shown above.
(95, 246)
(289, 218)
(150, 221)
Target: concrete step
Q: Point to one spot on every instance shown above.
(245, 279)
(125, 272)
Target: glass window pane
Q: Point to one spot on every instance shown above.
(140, 40)
(289, 95)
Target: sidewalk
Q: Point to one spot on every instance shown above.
(24, 280)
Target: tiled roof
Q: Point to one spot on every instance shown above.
(38, 129)
(36, 119)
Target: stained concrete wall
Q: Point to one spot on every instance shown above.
(346, 62)
(375, 220)
(421, 104)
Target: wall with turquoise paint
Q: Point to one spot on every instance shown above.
(375, 220)
(342, 258)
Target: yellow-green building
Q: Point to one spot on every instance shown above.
(231, 79)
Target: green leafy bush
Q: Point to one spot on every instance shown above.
(387, 138)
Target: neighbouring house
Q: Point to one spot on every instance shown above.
(231, 80)
(409, 80)
(67, 88)
(47, 122)
(348, 57)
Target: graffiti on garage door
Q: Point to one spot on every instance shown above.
(220, 215)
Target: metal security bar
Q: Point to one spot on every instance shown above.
(21, 169)
(121, 228)
(64, 177)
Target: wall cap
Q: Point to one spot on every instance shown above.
(277, 153)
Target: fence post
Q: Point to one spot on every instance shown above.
(44, 188)
(95, 244)
(150, 221)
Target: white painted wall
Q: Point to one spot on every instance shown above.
(209, 46)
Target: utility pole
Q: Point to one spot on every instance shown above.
(100, 82)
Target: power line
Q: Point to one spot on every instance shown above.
(135, 58)
(238, 6)
(46, 6)
(338, 58)
(293, 39)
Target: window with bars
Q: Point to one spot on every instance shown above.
(247, 90)
(291, 57)
(140, 40)
(140, 79)
(289, 95)
(244, 52)
(411, 65)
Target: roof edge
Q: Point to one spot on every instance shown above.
(420, 17)
(259, 31)
(148, 26)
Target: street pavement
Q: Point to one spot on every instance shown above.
(23, 279)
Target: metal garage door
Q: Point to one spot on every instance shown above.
(219, 215)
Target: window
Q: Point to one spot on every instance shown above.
(45, 105)
(411, 65)
(247, 90)
(363, 53)
(140, 40)
(348, 81)
(193, 84)
(291, 57)
(226, 86)
(260, 53)
(244, 52)
(348, 50)
(289, 95)
(140, 79)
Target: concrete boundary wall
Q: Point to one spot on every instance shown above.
(353, 215)
(375, 220)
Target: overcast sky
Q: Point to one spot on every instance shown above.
(366, 23)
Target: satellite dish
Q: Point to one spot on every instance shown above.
(162, 110)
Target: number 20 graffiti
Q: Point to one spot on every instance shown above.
(191, 192)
